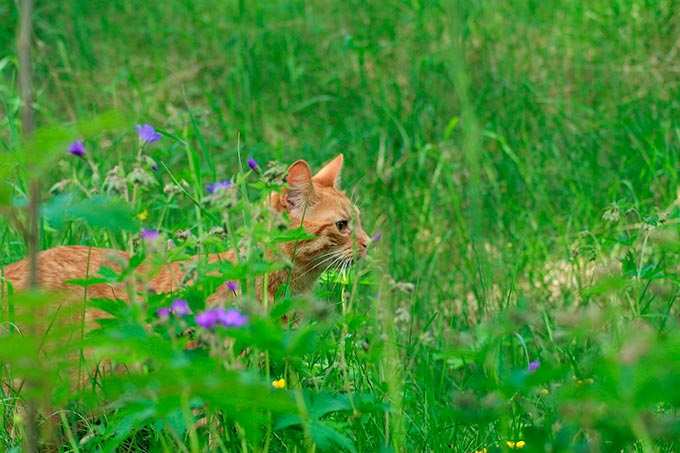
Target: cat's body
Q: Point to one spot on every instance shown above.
(315, 202)
(58, 265)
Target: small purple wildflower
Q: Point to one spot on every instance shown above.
(232, 318)
(180, 307)
(147, 133)
(212, 317)
(149, 235)
(232, 286)
(207, 319)
(376, 237)
(163, 313)
(252, 163)
(533, 366)
(77, 148)
(219, 185)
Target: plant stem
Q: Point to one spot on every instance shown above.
(25, 68)
(27, 126)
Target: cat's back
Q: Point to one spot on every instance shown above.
(59, 264)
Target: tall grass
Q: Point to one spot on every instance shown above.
(520, 159)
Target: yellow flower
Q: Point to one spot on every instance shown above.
(519, 444)
(483, 450)
(143, 215)
(279, 383)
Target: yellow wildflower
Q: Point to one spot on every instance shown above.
(143, 215)
(512, 444)
(279, 383)
(483, 450)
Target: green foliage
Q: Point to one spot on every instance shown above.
(97, 211)
(520, 159)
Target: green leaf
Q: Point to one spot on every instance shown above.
(453, 122)
(326, 437)
(297, 234)
(117, 308)
(326, 403)
(281, 308)
(109, 274)
(84, 282)
(99, 211)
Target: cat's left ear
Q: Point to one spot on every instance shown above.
(329, 175)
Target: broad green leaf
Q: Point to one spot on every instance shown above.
(296, 234)
(327, 438)
(99, 211)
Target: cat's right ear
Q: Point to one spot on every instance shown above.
(300, 193)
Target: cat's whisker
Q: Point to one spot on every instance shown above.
(326, 258)
(331, 263)
(335, 264)
(331, 257)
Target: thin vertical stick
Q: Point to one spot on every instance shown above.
(25, 68)
(34, 232)
(27, 127)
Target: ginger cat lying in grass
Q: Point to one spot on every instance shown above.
(313, 202)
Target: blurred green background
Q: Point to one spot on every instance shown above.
(485, 139)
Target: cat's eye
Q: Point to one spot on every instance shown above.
(341, 225)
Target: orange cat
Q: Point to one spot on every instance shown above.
(315, 202)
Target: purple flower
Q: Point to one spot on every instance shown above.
(207, 319)
(212, 317)
(163, 312)
(252, 163)
(376, 237)
(217, 186)
(232, 318)
(149, 235)
(533, 366)
(232, 286)
(77, 148)
(180, 307)
(147, 133)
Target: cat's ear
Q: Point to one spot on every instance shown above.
(329, 175)
(300, 187)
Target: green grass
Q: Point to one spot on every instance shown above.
(520, 158)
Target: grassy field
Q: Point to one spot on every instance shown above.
(520, 160)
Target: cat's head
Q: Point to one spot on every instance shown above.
(317, 203)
